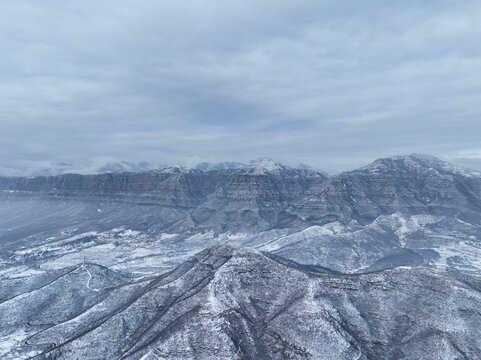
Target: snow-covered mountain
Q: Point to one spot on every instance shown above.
(86, 258)
(237, 303)
(402, 210)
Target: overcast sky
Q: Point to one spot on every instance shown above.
(334, 84)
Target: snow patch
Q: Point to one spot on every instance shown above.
(11, 341)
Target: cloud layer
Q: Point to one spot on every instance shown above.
(331, 83)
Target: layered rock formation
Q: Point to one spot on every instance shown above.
(413, 209)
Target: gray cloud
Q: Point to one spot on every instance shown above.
(330, 83)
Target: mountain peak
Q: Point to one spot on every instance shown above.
(418, 162)
(264, 165)
(424, 159)
(176, 169)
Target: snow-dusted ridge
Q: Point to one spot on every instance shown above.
(230, 302)
(420, 161)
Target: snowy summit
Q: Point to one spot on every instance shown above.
(264, 165)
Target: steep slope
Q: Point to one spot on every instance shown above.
(407, 184)
(412, 209)
(237, 303)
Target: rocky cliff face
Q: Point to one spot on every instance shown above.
(413, 209)
(176, 187)
(238, 303)
(185, 200)
(249, 182)
(404, 184)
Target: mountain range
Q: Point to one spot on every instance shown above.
(243, 261)
(405, 210)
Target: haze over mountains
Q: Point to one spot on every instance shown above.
(108, 241)
(104, 165)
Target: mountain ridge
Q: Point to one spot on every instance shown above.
(403, 210)
(237, 303)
